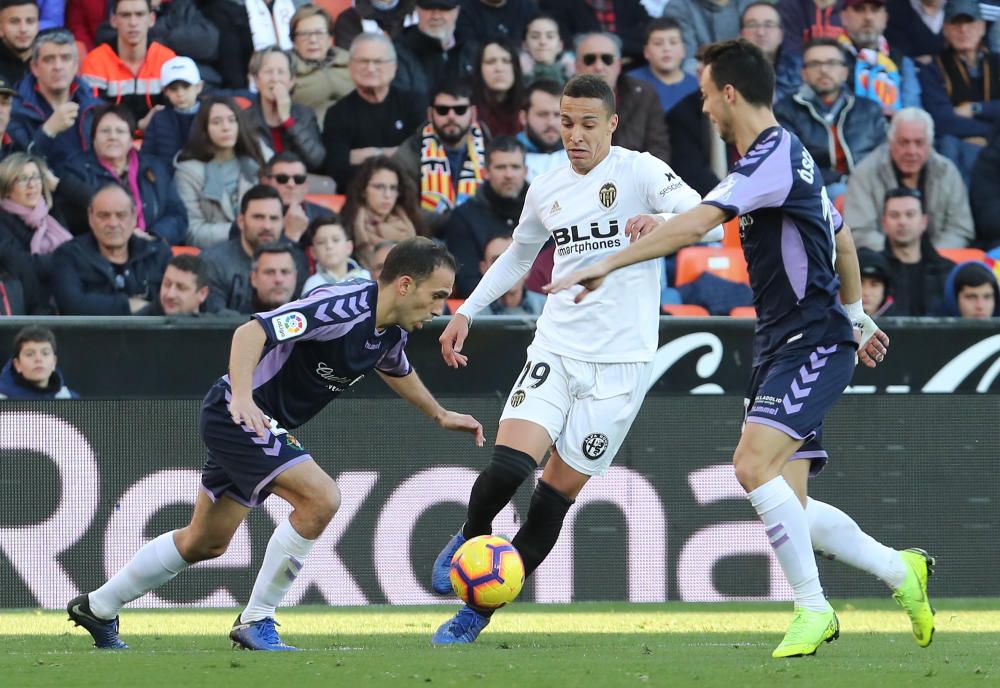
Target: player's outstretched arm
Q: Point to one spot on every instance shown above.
(453, 339)
(248, 344)
(412, 389)
(873, 343)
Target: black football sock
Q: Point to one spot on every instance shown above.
(494, 487)
(540, 530)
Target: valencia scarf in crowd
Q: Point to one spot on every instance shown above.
(437, 194)
(876, 76)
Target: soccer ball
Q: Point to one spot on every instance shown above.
(487, 572)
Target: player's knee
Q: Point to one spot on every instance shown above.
(193, 551)
(323, 503)
(750, 472)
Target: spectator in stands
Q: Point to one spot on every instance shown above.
(705, 21)
(184, 288)
(373, 119)
(918, 272)
(230, 263)
(54, 111)
(287, 173)
(544, 55)
(332, 247)
(828, 118)
(273, 275)
(31, 373)
(382, 249)
(51, 14)
(498, 88)
(876, 283)
(971, 291)
(128, 71)
(494, 211)
(961, 86)
(29, 227)
(381, 205)
(447, 155)
(322, 76)
(518, 300)
(983, 196)
(7, 144)
(18, 28)
(541, 135)
(277, 122)
(691, 141)
(626, 19)
(112, 158)
(914, 27)
(170, 128)
(502, 19)
(217, 166)
(664, 51)
(876, 69)
(114, 270)
(641, 125)
(760, 24)
(431, 52)
(376, 16)
(804, 20)
(83, 17)
(907, 159)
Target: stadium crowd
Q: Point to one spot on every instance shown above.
(171, 157)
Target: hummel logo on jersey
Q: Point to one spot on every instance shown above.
(555, 208)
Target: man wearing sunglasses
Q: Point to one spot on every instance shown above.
(287, 173)
(642, 125)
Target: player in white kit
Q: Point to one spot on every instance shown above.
(588, 368)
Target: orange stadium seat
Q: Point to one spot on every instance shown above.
(685, 310)
(334, 7)
(743, 312)
(727, 263)
(731, 238)
(454, 304)
(962, 255)
(332, 201)
(185, 250)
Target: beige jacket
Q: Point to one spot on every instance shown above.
(318, 85)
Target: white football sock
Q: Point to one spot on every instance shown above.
(788, 530)
(835, 534)
(156, 562)
(286, 552)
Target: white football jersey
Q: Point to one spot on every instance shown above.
(586, 215)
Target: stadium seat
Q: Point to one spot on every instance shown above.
(727, 263)
(185, 250)
(334, 8)
(731, 238)
(243, 102)
(962, 255)
(453, 305)
(685, 310)
(838, 203)
(743, 312)
(332, 201)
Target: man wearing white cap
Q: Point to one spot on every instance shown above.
(170, 128)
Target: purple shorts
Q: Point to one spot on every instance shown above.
(793, 392)
(240, 464)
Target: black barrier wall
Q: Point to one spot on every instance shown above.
(86, 483)
(181, 358)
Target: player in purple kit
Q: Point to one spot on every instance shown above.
(799, 254)
(284, 367)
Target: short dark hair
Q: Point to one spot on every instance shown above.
(111, 185)
(661, 24)
(456, 88)
(974, 275)
(102, 111)
(278, 158)
(761, 3)
(115, 3)
(824, 42)
(504, 144)
(259, 192)
(903, 192)
(742, 65)
(591, 86)
(4, 4)
(550, 86)
(417, 257)
(33, 333)
(187, 262)
(273, 247)
(328, 218)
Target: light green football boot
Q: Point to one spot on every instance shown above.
(912, 594)
(807, 632)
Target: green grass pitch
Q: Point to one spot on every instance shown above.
(527, 645)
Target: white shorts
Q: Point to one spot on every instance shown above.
(587, 408)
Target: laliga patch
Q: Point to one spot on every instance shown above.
(594, 445)
(288, 325)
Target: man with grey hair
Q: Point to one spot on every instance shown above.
(54, 109)
(374, 118)
(641, 123)
(908, 160)
(431, 52)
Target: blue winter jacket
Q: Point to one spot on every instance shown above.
(30, 112)
(14, 386)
